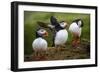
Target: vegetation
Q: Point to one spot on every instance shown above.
(30, 27)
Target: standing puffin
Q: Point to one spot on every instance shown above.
(39, 45)
(60, 34)
(76, 29)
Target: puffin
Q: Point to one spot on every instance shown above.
(76, 29)
(58, 29)
(60, 34)
(40, 45)
(52, 25)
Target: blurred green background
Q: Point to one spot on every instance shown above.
(30, 26)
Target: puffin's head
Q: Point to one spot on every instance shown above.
(41, 33)
(63, 24)
(79, 22)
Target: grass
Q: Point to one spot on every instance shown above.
(30, 26)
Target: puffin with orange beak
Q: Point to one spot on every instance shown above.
(76, 30)
(60, 34)
(58, 29)
(40, 44)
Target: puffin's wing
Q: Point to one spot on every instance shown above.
(42, 24)
(45, 25)
(54, 21)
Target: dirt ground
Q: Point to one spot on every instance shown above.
(63, 53)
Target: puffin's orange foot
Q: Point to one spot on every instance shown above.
(75, 43)
(78, 42)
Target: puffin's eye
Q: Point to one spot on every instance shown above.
(41, 31)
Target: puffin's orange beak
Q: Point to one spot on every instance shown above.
(46, 34)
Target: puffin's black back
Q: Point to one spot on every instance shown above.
(58, 27)
(77, 22)
(55, 23)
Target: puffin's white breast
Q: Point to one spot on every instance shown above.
(39, 44)
(74, 28)
(61, 37)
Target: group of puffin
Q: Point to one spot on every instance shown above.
(60, 34)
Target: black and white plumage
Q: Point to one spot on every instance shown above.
(54, 24)
(76, 29)
(53, 21)
(61, 37)
(57, 25)
(60, 34)
(40, 45)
